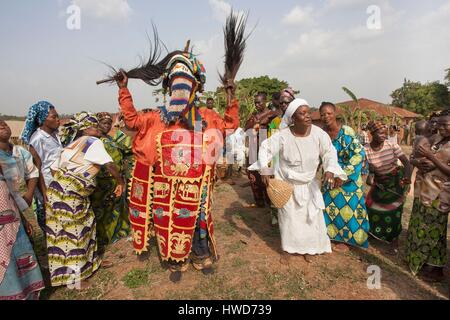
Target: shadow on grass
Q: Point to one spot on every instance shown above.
(256, 220)
(253, 221)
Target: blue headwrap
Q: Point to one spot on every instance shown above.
(35, 118)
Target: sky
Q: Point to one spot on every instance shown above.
(369, 46)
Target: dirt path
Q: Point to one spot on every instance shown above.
(251, 266)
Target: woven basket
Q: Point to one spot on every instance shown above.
(279, 192)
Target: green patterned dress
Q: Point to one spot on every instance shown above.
(111, 212)
(427, 231)
(124, 143)
(427, 237)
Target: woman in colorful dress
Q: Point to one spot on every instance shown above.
(300, 148)
(40, 134)
(18, 168)
(70, 223)
(123, 138)
(427, 232)
(389, 182)
(111, 212)
(20, 276)
(345, 212)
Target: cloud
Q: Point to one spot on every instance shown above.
(337, 50)
(388, 13)
(221, 9)
(319, 61)
(439, 17)
(346, 4)
(362, 33)
(105, 9)
(299, 16)
(210, 53)
(314, 42)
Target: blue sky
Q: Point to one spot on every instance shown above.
(317, 46)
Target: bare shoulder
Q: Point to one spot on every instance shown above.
(435, 138)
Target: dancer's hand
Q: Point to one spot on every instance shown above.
(122, 80)
(230, 87)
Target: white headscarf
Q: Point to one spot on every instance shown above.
(293, 106)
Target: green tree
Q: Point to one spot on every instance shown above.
(422, 98)
(355, 116)
(447, 77)
(262, 84)
(11, 118)
(245, 92)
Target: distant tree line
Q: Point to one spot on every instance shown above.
(22, 118)
(11, 118)
(246, 89)
(423, 98)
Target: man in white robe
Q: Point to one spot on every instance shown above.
(302, 225)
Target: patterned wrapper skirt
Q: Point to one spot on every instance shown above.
(346, 215)
(384, 204)
(427, 237)
(23, 278)
(71, 229)
(111, 213)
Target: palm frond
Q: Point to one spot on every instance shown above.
(351, 94)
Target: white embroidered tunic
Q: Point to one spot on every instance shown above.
(301, 220)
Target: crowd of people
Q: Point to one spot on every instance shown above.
(353, 215)
(74, 179)
(89, 189)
